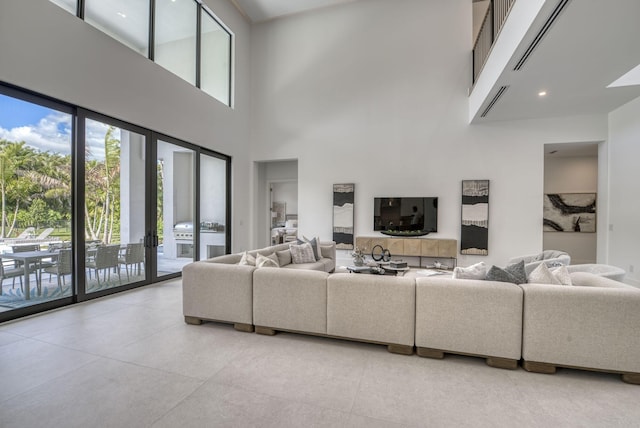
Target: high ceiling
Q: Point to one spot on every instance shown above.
(264, 10)
(591, 44)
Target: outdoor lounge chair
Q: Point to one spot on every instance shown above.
(45, 234)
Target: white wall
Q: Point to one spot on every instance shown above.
(374, 93)
(624, 192)
(47, 50)
(572, 175)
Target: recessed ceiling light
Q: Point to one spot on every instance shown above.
(122, 14)
(542, 93)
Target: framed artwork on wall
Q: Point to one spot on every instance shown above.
(343, 201)
(278, 214)
(474, 231)
(569, 212)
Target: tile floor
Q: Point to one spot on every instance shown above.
(130, 361)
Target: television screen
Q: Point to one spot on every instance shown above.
(406, 214)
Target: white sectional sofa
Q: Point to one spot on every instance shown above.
(592, 325)
(372, 308)
(470, 317)
(219, 289)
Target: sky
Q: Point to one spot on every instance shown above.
(46, 129)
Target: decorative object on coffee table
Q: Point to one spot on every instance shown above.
(358, 257)
(474, 233)
(569, 212)
(343, 200)
(380, 254)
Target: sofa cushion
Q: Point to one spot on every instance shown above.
(267, 261)
(476, 271)
(518, 271)
(561, 273)
(543, 275)
(501, 275)
(284, 257)
(302, 253)
(247, 259)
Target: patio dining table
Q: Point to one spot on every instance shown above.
(27, 258)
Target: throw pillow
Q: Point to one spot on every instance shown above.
(267, 261)
(247, 259)
(542, 275)
(284, 257)
(302, 253)
(315, 244)
(499, 274)
(477, 271)
(562, 274)
(518, 271)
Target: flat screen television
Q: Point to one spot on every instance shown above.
(405, 216)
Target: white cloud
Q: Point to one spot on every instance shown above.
(52, 133)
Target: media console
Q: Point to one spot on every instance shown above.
(412, 247)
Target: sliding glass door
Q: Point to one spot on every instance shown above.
(91, 205)
(114, 206)
(213, 206)
(175, 207)
(35, 202)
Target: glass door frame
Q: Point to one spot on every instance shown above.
(79, 198)
(42, 100)
(152, 179)
(228, 199)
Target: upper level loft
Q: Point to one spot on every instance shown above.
(553, 58)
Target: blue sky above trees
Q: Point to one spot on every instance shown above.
(44, 128)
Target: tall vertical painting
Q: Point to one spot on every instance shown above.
(343, 199)
(474, 233)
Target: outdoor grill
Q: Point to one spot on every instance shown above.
(183, 230)
(183, 235)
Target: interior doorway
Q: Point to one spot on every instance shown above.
(570, 200)
(277, 201)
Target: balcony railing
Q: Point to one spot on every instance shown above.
(491, 25)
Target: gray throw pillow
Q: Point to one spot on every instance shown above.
(314, 246)
(518, 271)
(498, 274)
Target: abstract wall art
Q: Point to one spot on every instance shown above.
(569, 212)
(474, 232)
(343, 200)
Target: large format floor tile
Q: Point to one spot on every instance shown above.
(130, 360)
(103, 393)
(28, 363)
(316, 371)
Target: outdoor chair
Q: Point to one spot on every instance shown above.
(34, 268)
(10, 272)
(133, 256)
(106, 258)
(45, 234)
(61, 267)
(28, 232)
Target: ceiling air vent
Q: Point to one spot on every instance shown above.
(547, 25)
(494, 100)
